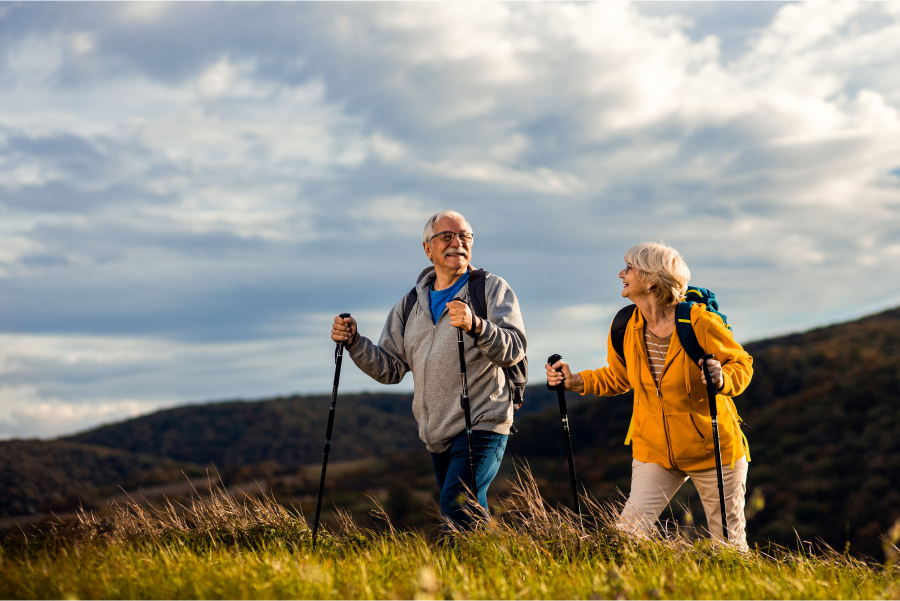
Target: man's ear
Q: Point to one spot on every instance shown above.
(427, 248)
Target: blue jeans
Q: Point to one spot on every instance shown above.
(452, 465)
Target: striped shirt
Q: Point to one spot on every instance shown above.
(656, 352)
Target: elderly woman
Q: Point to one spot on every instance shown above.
(671, 426)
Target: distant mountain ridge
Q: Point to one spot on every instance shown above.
(287, 431)
(55, 475)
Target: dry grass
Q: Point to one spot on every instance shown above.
(222, 546)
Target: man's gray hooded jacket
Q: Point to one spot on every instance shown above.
(431, 353)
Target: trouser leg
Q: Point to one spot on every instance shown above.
(487, 453)
(441, 463)
(735, 487)
(652, 487)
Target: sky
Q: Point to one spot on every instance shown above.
(190, 192)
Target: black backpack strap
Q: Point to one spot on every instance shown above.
(517, 375)
(477, 297)
(617, 330)
(686, 334)
(411, 299)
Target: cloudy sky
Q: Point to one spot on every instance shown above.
(190, 192)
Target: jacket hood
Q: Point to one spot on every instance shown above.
(429, 274)
(428, 271)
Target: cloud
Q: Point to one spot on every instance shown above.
(183, 211)
(23, 409)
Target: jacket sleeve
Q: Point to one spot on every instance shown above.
(607, 381)
(737, 364)
(503, 339)
(386, 361)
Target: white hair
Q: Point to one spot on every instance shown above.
(662, 266)
(429, 225)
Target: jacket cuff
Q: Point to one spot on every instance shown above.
(357, 349)
(588, 377)
(487, 332)
(727, 387)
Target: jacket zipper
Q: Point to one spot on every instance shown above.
(662, 403)
(427, 357)
(425, 377)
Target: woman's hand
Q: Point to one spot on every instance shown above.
(573, 382)
(344, 330)
(715, 372)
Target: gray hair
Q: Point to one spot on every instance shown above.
(429, 225)
(661, 266)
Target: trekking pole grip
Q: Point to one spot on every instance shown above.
(710, 386)
(341, 345)
(551, 360)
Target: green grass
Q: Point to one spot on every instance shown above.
(220, 547)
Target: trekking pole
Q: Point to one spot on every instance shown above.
(338, 356)
(713, 413)
(464, 401)
(564, 414)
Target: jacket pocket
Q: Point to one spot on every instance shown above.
(640, 421)
(688, 443)
(696, 429)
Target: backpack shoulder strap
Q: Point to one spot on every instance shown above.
(411, 299)
(516, 375)
(686, 334)
(617, 330)
(477, 296)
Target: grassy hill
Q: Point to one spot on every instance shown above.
(824, 407)
(225, 547)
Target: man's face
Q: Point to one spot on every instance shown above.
(455, 254)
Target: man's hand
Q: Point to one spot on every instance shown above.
(344, 330)
(573, 382)
(461, 316)
(715, 372)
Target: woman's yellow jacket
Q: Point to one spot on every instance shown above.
(671, 425)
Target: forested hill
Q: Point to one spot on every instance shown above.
(56, 475)
(286, 432)
(825, 411)
(824, 407)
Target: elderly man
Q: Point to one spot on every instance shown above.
(425, 343)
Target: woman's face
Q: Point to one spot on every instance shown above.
(633, 286)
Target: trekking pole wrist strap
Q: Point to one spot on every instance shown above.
(352, 343)
(474, 331)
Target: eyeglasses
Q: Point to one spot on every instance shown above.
(628, 267)
(447, 237)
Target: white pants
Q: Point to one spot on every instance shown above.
(653, 486)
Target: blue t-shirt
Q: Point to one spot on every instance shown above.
(439, 298)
